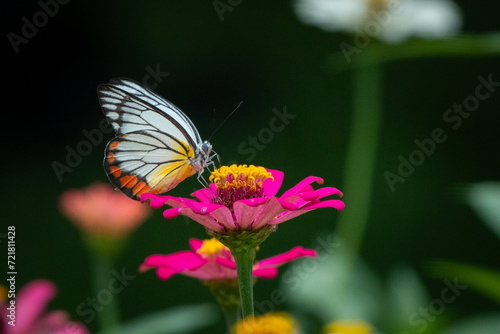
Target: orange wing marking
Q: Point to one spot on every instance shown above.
(140, 189)
(116, 171)
(128, 181)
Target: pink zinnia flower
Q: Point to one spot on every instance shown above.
(30, 316)
(99, 210)
(210, 260)
(243, 198)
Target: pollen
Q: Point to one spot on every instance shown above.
(210, 247)
(238, 182)
(239, 172)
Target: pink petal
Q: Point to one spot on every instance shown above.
(165, 273)
(333, 203)
(177, 202)
(143, 268)
(52, 322)
(287, 216)
(245, 214)
(172, 213)
(265, 273)
(206, 220)
(226, 263)
(255, 217)
(169, 265)
(156, 201)
(270, 186)
(290, 203)
(291, 255)
(295, 202)
(211, 271)
(254, 202)
(31, 303)
(327, 191)
(57, 322)
(71, 328)
(54, 318)
(179, 261)
(195, 244)
(203, 195)
(100, 210)
(309, 195)
(202, 208)
(302, 186)
(224, 217)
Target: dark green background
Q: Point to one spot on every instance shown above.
(263, 55)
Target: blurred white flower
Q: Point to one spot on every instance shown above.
(391, 21)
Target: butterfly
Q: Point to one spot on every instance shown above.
(156, 145)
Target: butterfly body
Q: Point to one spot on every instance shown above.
(156, 145)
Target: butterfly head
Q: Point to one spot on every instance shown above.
(202, 157)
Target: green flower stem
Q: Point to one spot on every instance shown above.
(243, 245)
(108, 315)
(244, 267)
(103, 251)
(361, 155)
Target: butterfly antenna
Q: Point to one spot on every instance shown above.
(224, 121)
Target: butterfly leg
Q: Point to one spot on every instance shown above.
(211, 162)
(202, 180)
(205, 184)
(215, 155)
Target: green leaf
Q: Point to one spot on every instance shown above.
(405, 295)
(336, 288)
(179, 320)
(483, 280)
(484, 198)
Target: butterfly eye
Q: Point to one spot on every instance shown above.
(206, 148)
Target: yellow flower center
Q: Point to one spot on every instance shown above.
(348, 327)
(238, 182)
(271, 323)
(210, 247)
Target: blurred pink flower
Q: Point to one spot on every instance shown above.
(30, 317)
(100, 210)
(210, 260)
(245, 200)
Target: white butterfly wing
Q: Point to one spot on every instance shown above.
(155, 143)
(130, 107)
